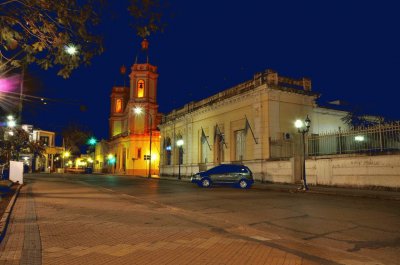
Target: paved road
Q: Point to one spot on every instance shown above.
(98, 219)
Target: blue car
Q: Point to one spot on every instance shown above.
(238, 175)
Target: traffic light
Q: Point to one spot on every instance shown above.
(92, 141)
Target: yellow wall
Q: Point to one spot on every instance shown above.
(117, 128)
(135, 165)
(270, 110)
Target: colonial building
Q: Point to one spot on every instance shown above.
(251, 123)
(47, 162)
(134, 138)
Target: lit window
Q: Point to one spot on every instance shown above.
(44, 140)
(118, 106)
(140, 88)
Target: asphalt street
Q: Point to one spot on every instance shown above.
(233, 226)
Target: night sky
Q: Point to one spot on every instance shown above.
(350, 50)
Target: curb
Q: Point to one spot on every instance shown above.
(370, 196)
(6, 216)
(332, 193)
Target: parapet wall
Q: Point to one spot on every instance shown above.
(360, 171)
(355, 171)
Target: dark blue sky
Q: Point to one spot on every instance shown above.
(350, 50)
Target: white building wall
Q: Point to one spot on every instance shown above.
(355, 171)
(349, 171)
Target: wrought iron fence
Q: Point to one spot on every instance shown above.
(374, 139)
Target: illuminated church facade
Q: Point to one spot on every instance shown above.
(133, 147)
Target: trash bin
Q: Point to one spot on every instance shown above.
(6, 174)
(88, 170)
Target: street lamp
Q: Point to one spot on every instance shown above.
(111, 162)
(71, 49)
(138, 111)
(303, 128)
(65, 155)
(179, 143)
(11, 121)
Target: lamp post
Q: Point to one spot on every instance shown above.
(179, 143)
(65, 154)
(11, 124)
(111, 161)
(303, 128)
(138, 111)
(92, 141)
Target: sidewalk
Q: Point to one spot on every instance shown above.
(78, 224)
(352, 192)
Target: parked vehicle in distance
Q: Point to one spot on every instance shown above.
(225, 174)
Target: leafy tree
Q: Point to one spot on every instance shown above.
(148, 16)
(75, 138)
(356, 118)
(40, 31)
(14, 142)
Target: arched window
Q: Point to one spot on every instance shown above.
(140, 88)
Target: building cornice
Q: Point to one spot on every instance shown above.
(269, 79)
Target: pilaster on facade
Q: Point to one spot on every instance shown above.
(189, 141)
(258, 123)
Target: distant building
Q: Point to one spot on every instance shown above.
(132, 133)
(52, 152)
(250, 123)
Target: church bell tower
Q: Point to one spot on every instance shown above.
(143, 93)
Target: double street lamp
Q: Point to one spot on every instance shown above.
(138, 111)
(303, 128)
(179, 143)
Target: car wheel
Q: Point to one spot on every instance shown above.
(205, 183)
(243, 184)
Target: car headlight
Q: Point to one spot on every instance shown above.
(197, 176)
